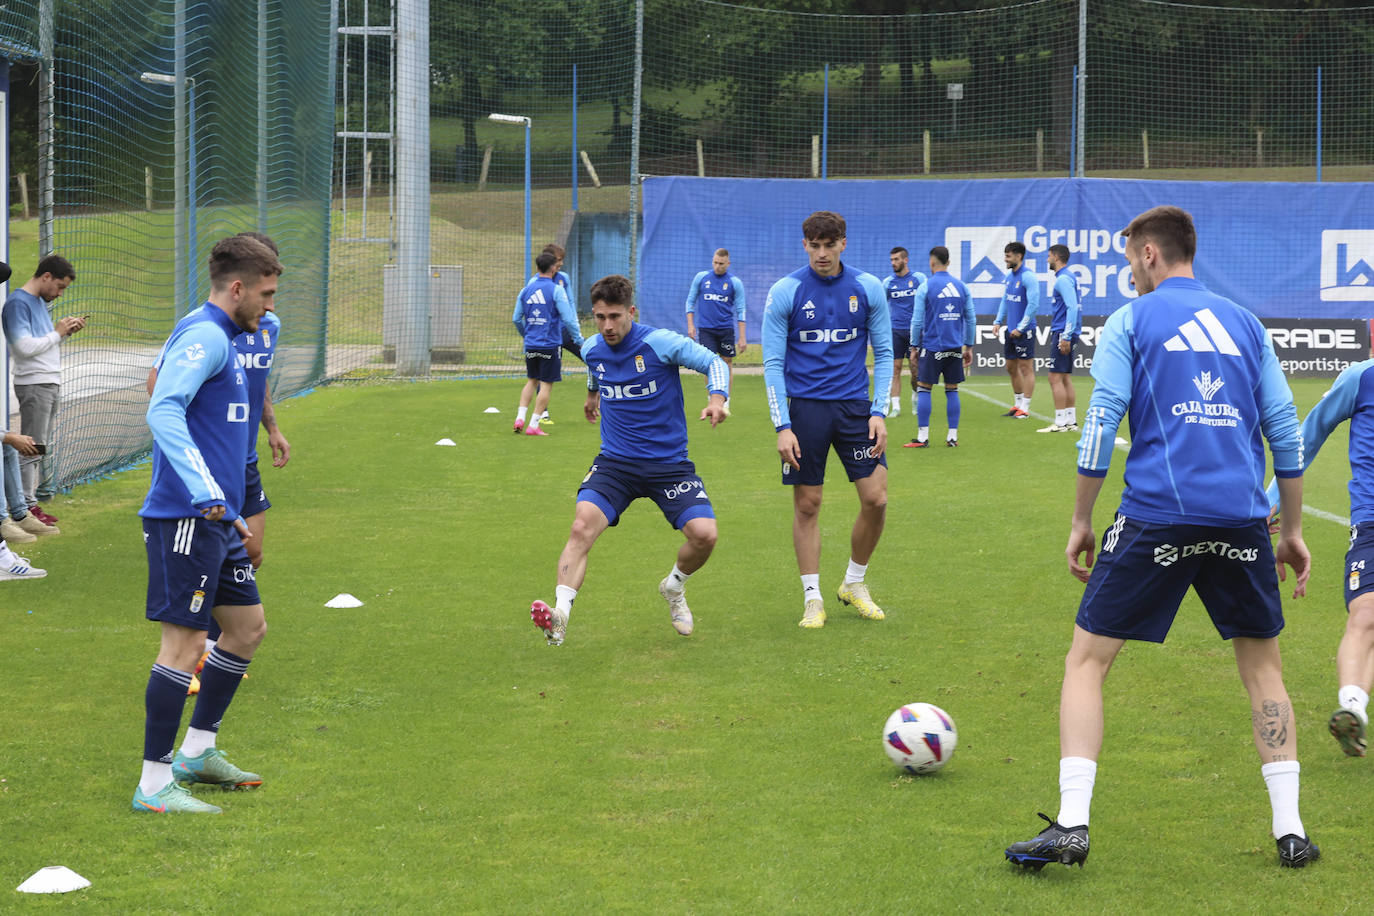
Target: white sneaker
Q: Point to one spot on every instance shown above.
(678, 611)
(16, 567)
(14, 533)
(894, 411)
(1053, 428)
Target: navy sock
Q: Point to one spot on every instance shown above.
(923, 407)
(163, 703)
(218, 681)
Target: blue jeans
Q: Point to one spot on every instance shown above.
(12, 496)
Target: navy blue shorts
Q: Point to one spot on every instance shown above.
(1022, 347)
(1359, 564)
(613, 483)
(718, 340)
(544, 365)
(1143, 571)
(932, 364)
(901, 345)
(195, 565)
(819, 425)
(1061, 362)
(254, 499)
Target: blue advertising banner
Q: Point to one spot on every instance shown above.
(1290, 251)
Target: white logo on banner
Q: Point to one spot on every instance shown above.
(1347, 265)
(975, 256)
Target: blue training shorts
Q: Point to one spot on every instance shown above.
(1143, 571)
(931, 364)
(1022, 347)
(720, 341)
(195, 565)
(544, 365)
(613, 483)
(819, 425)
(254, 498)
(1061, 362)
(901, 345)
(1359, 564)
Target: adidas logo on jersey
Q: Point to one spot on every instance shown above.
(1205, 335)
(950, 291)
(536, 298)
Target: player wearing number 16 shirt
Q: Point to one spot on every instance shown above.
(634, 388)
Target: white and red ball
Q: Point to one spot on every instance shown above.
(920, 737)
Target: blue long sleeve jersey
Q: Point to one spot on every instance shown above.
(1020, 300)
(816, 334)
(1064, 305)
(900, 291)
(561, 279)
(541, 311)
(1351, 397)
(1200, 380)
(255, 351)
(199, 415)
(718, 301)
(942, 317)
(642, 416)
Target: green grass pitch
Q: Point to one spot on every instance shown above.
(428, 753)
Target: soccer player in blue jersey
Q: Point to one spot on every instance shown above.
(572, 334)
(1020, 304)
(817, 327)
(943, 326)
(193, 529)
(1198, 377)
(1066, 324)
(901, 286)
(1351, 398)
(716, 310)
(542, 310)
(635, 389)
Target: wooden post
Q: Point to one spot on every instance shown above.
(925, 152)
(24, 192)
(701, 161)
(1145, 147)
(486, 166)
(1259, 151)
(586, 160)
(1040, 149)
(367, 173)
(815, 155)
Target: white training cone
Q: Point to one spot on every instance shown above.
(492, 410)
(55, 879)
(446, 441)
(343, 600)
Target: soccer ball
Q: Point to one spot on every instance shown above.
(920, 738)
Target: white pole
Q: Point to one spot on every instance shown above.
(591, 171)
(701, 161)
(815, 155)
(148, 188)
(925, 152)
(1040, 149)
(1145, 147)
(412, 185)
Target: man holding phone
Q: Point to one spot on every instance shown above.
(34, 341)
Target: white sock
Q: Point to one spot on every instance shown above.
(1061, 418)
(913, 403)
(563, 597)
(543, 416)
(197, 742)
(521, 414)
(952, 435)
(895, 403)
(209, 644)
(1023, 402)
(677, 579)
(811, 586)
(855, 572)
(923, 434)
(156, 777)
(1356, 700)
(534, 421)
(1281, 777)
(1070, 416)
(1076, 778)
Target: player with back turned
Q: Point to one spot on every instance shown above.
(1204, 391)
(635, 389)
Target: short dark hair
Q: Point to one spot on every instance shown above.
(545, 260)
(940, 253)
(1170, 228)
(264, 238)
(897, 249)
(241, 257)
(721, 253)
(1015, 248)
(823, 225)
(613, 290)
(555, 250)
(1061, 252)
(56, 265)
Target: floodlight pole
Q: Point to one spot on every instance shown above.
(521, 119)
(412, 185)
